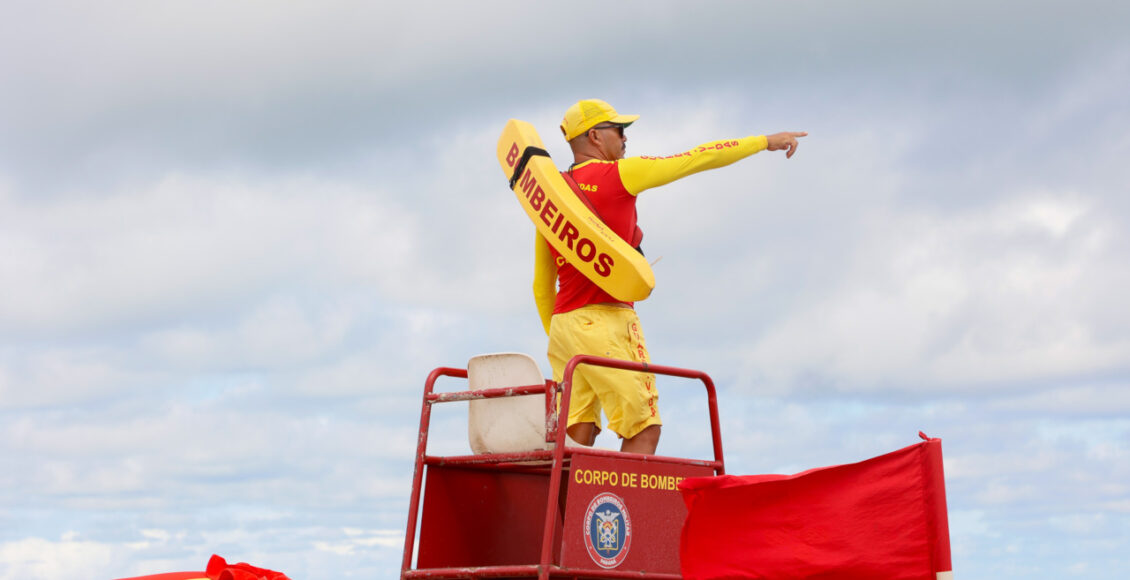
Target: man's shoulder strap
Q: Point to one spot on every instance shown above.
(568, 175)
(637, 233)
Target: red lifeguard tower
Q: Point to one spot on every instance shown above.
(526, 503)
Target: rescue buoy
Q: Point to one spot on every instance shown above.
(566, 222)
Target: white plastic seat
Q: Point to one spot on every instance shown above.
(507, 424)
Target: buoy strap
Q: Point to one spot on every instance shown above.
(522, 161)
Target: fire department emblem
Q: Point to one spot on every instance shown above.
(608, 530)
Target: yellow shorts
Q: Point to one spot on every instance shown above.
(627, 398)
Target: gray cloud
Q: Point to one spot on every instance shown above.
(130, 89)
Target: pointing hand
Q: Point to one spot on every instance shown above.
(786, 141)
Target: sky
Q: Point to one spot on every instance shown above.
(235, 237)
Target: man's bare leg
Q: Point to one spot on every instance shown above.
(583, 433)
(646, 441)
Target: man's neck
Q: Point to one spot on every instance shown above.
(589, 151)
(582, 157)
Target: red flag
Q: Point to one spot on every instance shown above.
(219, 569)
(171, 576)
(880, 518)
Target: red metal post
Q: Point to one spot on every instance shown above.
(421, 448)
(550, 529)
(711, 395)
(485, 393)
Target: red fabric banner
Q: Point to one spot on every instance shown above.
(219, 569)
(170, 576)
(880, 518)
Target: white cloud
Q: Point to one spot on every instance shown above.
(990, 297)
(358, 538)
(68, 558)
(1085, 398)
(189, 243)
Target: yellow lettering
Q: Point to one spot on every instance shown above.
(528, 182)
(537, 197)
(627, 479)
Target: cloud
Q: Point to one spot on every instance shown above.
(963, 301)
(269, 87)
(148, 253)
(40, 558)
(235, 239)
(362, 552)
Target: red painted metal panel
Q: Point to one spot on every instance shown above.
(481, 517)
(624, 514)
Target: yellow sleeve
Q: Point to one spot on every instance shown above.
(642, 173)
(545, 280)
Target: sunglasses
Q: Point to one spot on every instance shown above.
(619, 128)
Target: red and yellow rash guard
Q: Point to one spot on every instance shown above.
(612, 187)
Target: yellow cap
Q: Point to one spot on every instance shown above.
(589, 113)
